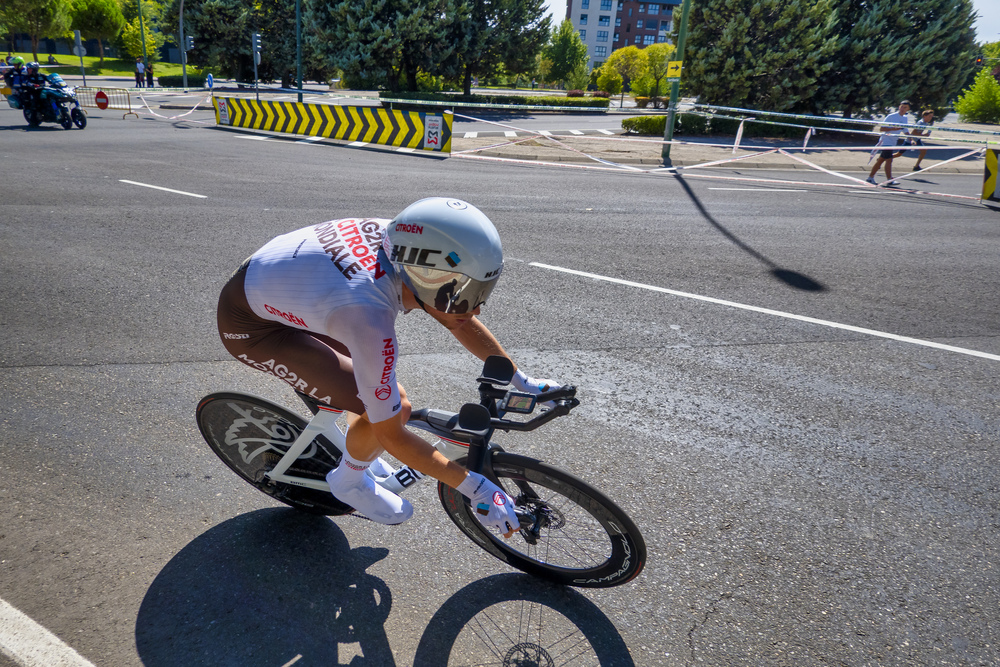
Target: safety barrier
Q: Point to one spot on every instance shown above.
(990, 196)
(410, 130)
(106, 98)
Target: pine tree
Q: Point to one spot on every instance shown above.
(500, 33)
(761, 54)
(887, 50)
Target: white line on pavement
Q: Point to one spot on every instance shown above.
(545, 133)
(30, 645)
(606, 132)
(576, 132)
(157, 187)
(510, 133)
(776, 313)
(757, 190)
(471, 135)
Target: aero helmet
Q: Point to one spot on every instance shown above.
(447, 252)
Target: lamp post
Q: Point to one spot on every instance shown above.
(298, 45)
(668, 130)
(183, 45)
(142, 33)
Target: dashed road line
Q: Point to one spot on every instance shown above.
(30, 645)
(157, 187)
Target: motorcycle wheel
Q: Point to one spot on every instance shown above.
(79, 118)
(33, 117)
(65, 120)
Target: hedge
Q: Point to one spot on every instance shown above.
(697, 125)
(517, 100)
(177, 80)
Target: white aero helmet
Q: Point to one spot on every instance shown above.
(447, 252)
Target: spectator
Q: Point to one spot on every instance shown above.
(140, 72)
(891, 136)
(149, 75)
(926, 120)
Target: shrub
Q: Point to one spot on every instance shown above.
(574, 93)
(177, 80)
(642, 102)
(601, 93)
(645, 125)
(981, 102)
(414, 99)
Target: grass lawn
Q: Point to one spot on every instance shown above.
(110, 67)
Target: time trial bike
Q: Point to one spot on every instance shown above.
(571, 533)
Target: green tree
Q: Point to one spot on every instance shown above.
(886, 51)
(981, 102)
(628, 62)
(98, 19)
(386, 41)
(566, 51)
(609, 80)
(41, 18)
(132, 43)
(657, 59)
(501, 33)
(762, 54)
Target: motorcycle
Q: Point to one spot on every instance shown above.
(53, 102)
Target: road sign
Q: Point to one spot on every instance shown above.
(79, 50)
(101, 99)
(674, 69)
(209, 81)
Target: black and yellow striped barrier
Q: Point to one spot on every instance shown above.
(404, 129)
(990, 195)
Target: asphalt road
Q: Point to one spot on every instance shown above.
(810, 494)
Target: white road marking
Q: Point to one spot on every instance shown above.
(30, 645)
(246, 136)
(309, 140)
(545, 133)
(776, 313)
(509, 133)
(405, 149)
(471, 135)
(757, 190)
(606, 132)
(576, 132)
(358, 143)
(157, 187)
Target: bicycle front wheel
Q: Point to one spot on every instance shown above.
(251, 435)
(571, 533)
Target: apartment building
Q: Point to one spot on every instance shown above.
(606, 25)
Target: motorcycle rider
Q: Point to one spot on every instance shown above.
(14, 77)
(33, 84)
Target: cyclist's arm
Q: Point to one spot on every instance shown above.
(480, 341)
(416, 452)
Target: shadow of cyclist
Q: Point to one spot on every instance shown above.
(261, 589)
(515, 619)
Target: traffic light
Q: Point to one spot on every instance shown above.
(979, 61)
(255, 41)
(189, 43)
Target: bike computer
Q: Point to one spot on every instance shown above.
(515, 401)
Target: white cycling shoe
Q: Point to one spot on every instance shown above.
(350, 483)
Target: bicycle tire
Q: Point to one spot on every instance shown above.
(232, 423)
(584, 538)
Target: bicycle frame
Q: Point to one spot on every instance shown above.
(466, 433)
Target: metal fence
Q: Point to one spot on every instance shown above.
(106, 98)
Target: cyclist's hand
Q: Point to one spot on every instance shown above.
(534, 386)
(494, 507)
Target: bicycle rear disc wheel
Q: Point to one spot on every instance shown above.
(251, 435)
(572, 534)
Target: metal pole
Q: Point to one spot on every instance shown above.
(79, 45)
(142, 33)
(668, 130)
(253, 52)
(184, 57)
(298, 44)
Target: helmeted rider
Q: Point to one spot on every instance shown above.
(15, 77)
(33, 84)
(317, 307)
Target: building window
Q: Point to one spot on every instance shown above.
(600, 52)
(602, 35)
(648, 39)
(618, 21)
(604, 20)
(642, 9)
(630, 11)
(638, 24)
(661, 39)
(638, 39)
(583, 34)
(585, 4)
(617, 38)
(651, 25)
(620, 5)
(605, 5)
(665, 26)
(583, 19)
(653, 9)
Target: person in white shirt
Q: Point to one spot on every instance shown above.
(926, 120)
(892, 135)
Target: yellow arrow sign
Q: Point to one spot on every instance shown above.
(674, 68)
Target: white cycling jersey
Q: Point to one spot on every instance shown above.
(335, 279)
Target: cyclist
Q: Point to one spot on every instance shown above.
(317, 307)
